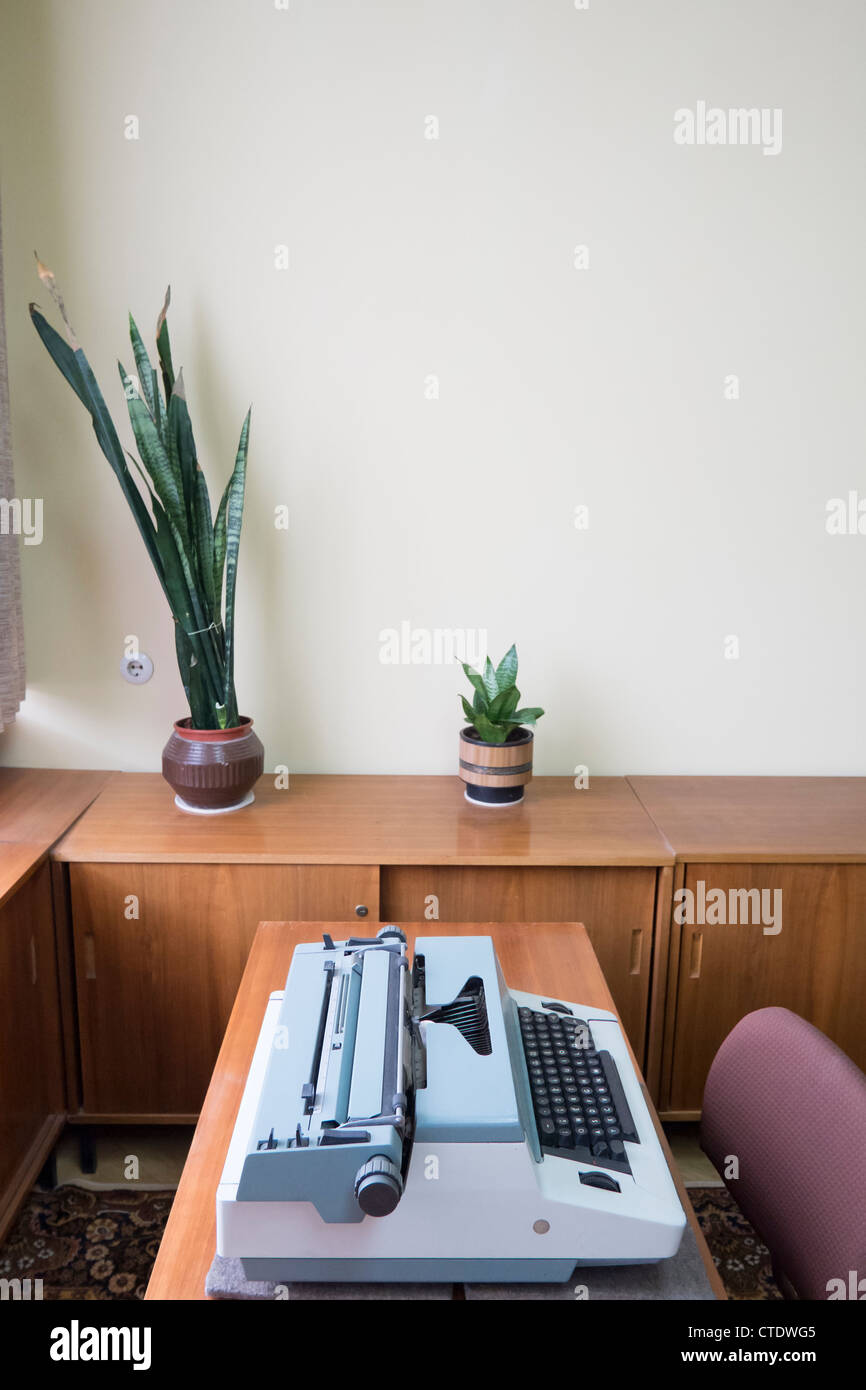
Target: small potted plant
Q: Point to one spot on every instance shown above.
(213, 759)
(495, 748)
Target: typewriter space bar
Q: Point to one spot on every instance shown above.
(368, 1063)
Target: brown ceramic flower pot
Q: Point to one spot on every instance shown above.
(495, 773)
(213, 770)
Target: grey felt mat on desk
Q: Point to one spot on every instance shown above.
(682, 1277)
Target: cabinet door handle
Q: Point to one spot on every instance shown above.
(636, 950)
(696, 954)
(361, 910)
(89, 957)
(34, 973)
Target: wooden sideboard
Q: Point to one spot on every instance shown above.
(160, 907)
(801, 838)
(131, 921)
(36, 805)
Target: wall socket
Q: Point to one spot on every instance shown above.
(136, 669)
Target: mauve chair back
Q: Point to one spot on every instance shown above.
(789, 1105)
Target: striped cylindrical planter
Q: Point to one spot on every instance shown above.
(495, 773)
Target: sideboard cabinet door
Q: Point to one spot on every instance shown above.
(159, 954)
(615, 905)
(31, 1057)
(814, 965)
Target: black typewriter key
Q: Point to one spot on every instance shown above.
(546, 1130)
(601, 1148)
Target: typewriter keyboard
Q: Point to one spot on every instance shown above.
(579, 1103)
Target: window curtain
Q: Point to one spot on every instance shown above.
(11, 626)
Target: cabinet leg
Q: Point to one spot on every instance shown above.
(47, 1179)
(87, 1149)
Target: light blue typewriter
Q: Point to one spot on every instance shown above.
(429, 1124)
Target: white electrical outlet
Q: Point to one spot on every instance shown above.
(136, 669)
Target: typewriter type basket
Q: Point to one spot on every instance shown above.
(495, 773)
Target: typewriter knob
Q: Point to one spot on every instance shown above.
(386, 933)
(378, 1186)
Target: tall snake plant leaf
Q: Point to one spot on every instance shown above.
(234, 520)
(75, 367)
(143, 367)
(181, 449)
(468, 710)
(163, 348)
(203, 535)
(155, 457)
(219, 554)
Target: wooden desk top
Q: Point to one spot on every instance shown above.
(531, 957)
(774, 820)
(370, 820)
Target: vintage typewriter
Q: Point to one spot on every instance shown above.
(429, 1124)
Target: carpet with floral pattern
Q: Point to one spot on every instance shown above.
(741, 1258)
(86, 1244)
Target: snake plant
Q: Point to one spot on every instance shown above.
(493, 713)
(195, 557)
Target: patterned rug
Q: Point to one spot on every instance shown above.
(741, 1258)
(102, 1245)
(85, 1244)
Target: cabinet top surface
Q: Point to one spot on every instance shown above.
(39, 803)
(370, 820)
(759, 819)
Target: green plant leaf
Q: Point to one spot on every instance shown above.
(491, 684)
(153, 453)
(506, 671)
(491, 733)
(526, 716)
(219, 554)
(504, 705)
(468, 710)
(143, 367)
(163, 347)
(182, 452)
(75, 367)
(476, 681)
(234, 520)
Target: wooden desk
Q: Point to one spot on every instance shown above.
(534, 957)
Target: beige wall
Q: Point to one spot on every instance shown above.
(412, 257)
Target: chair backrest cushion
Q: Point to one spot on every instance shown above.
(788, 1105)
